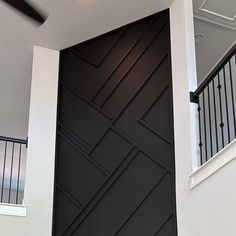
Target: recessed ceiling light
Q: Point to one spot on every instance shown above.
(199, 38)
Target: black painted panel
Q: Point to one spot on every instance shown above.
(167, 228)
(111, 150)
(84, 120)
(67, 212)
(76, 174)
(155, 143)
(152, 209)
(152, 56)
(129, 190)
(115, 161)
(157, 116)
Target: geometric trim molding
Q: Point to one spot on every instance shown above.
(217, 162)
(201, 12)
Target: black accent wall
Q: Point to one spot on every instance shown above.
(115, 173)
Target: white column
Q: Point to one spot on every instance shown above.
(185, 128)
(41, 149)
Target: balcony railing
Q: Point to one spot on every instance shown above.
(12, 169)
(216, 107)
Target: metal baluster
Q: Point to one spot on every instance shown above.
(3, 171)
(204, 123)
(18, 176)
(200, 131)
(221, 115)
(12, 159)
(226, 104)
(209, 111)
(214, 95)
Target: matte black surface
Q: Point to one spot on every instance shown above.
(115, 162)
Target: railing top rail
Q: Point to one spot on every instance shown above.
(217, 69)
(13, 140)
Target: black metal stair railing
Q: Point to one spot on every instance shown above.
(12, 169)
(216, 107)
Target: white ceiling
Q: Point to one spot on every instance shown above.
(69, 22)
(216, 20)
(216, 11)
(220, 7)
(73, 21)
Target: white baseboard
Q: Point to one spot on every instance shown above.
(13, 210)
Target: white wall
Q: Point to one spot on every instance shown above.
(15, 80)
(41, 150)
(210, 208)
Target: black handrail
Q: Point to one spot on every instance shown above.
(194, 95)
(14, 140)
(216, 107)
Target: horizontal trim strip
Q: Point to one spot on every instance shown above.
(13, 210)
(14, 140)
